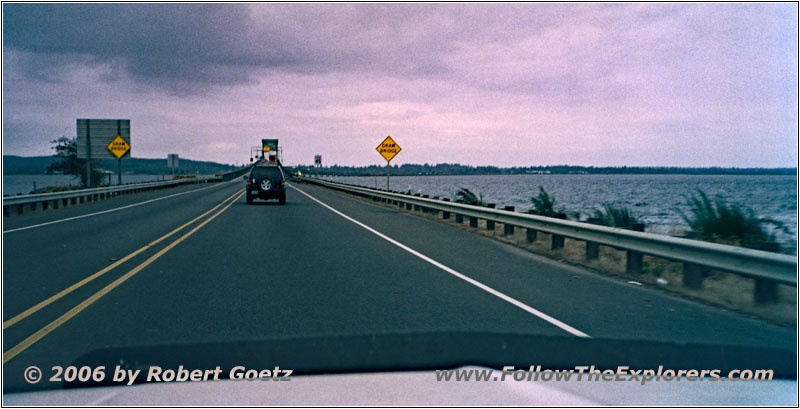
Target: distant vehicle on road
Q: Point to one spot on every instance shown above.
(266, 182)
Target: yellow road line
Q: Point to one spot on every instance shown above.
(30, 311)
(25, 344)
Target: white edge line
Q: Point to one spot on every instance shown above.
(112, 210)
(474, 282)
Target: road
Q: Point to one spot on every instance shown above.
(196, 263)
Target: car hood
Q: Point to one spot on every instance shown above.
(401, 352)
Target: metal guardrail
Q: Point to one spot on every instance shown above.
(81, 195)
(761, 265)
(67, 194)
(236, 173)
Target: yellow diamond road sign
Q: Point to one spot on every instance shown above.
(388, 148)
(119, 147)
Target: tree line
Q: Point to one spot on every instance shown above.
(459, 169)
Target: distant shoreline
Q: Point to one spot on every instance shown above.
(460, 170)
(577, 174)
(124, 173)
(460, 174)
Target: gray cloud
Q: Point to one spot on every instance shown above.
(167, 45)
(523, 78)
(187, 47)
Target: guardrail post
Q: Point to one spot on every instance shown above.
(473, 222)
(416, 206)
(633, 260)
(490, 223)
(766, 291)
(693, 275)
(446, 214)
(459, 218)
(425, 209)
(508, 229)
(531, 235)
(592, 251)
(557, 241)
(435, 212)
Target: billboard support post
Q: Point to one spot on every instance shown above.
(88, 157)
(119, 159)
(103, 139)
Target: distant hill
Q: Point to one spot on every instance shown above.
(32, 165)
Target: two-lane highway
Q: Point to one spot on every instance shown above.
(57, 248)
(211, 268)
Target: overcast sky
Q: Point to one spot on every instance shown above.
(483, 84)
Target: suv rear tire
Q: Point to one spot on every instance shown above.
(282, 199)
(249, 199)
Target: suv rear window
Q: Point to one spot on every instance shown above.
(263, 171)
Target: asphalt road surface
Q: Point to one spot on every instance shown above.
(196, 263)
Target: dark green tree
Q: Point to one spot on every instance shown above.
(68, 163)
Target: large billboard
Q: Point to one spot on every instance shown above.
(96, 135)
(269, 145)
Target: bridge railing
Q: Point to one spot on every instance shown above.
(766, 267)
(17, 204)
(235, 174)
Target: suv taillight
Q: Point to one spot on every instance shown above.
(283, 183)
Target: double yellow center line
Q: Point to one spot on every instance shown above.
(27, 342)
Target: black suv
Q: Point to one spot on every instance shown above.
(266, 182)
